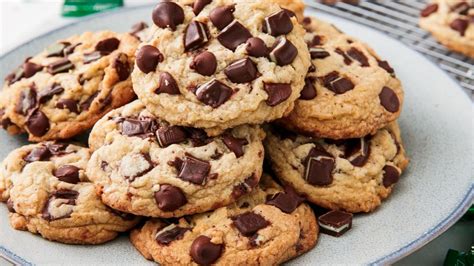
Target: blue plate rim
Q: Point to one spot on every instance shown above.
(402, 252)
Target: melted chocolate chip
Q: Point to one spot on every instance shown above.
(286, 201)
(168, 235)
(56, 200)
(170, 135)
(30, 69)
(168, 14)
(347, 60)
(336, 83)
(170, 198)
(17, 75)
(144, 127)
(283, 52)
(68, 174)
(37, 123)
(48, 93)
(69, 104)
(214, 93)
(168, 84)
(222, 16)
(278, 24)
(88, 102)
(138, 27)
(390, 175)
(277, 93)
(199, 5)
(204, 252)
(460, 25)
(194, 170)
(241, 71)
(196, 36)
(357, 151)
(249, 223)
(256, 47)
(41, 153)
(358, 56)
(234, 35)
(61, 66)
(309, 91)
(27, 101)
(204, 63)
(236, 145)
(428, 10)
(148, 58)
(107, 46)
(386, 66)
(198, 137)
(318, 53)
(319, 165)
(245, 187)
(389, 100)
(122, 67)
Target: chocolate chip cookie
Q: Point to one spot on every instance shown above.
(354, 175)
(65, 89)
(267, 227)
(50, 195)
(349, 92)
(145, 166)
(220, 64)
(451, 22)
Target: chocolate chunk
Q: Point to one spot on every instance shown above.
(122, 67)
(289, 12)
(194, 170)
(37, 123)
(170, 198)
(168, 14)
(283, 52)
(91, 57)
(41, 153)
(57, 202)
(88, 102)
(138, 27)
(358, 56)
(30, 69)
(460, 25)
(196, 36)
(57, 148)
(428, 10)
(249, 223)
(318, 53)
(385, 65)
(68, 174)
(170, 135)
(319, 165)
(286, 201)
(335, 223)
(462, 8)
(317, 40)
(69, 104)
(167, 84)
(48, 93)
(245, 187)
(15, 76)
(204, 252)
(389, 100)
(170, 234)
(222, 16)
(142, 164)
(213, 93)
(241, 71)
(336, 83)
(57, 49)
(198, 137)
(277, 93)
(236, 145)
(390, 175)
(234, 35)
(347, 60)
(61, 66)
(148, 58)
(357, 151)
(199, 5)
(256, 47)
(309, 91)
(107, 46)
(70, 49)
(27, 101)
(144, 127)
(278, 24)
(204, 63)
(11, 206)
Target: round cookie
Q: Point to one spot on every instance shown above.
(451, 22)
(145, 166)
(353, 175)
(267, 227)
(50, 195)
(235, 62)
(349, 92)
(65, 89)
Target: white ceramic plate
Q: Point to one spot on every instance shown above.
(434, 192)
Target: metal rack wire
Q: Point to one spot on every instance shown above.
(399, 19)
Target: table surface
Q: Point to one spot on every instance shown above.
(15, 29)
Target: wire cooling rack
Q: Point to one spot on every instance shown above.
(399, 19)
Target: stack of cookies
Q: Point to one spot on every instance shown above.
(222, 85)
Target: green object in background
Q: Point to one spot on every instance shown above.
(78, 8)
(458, 258)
